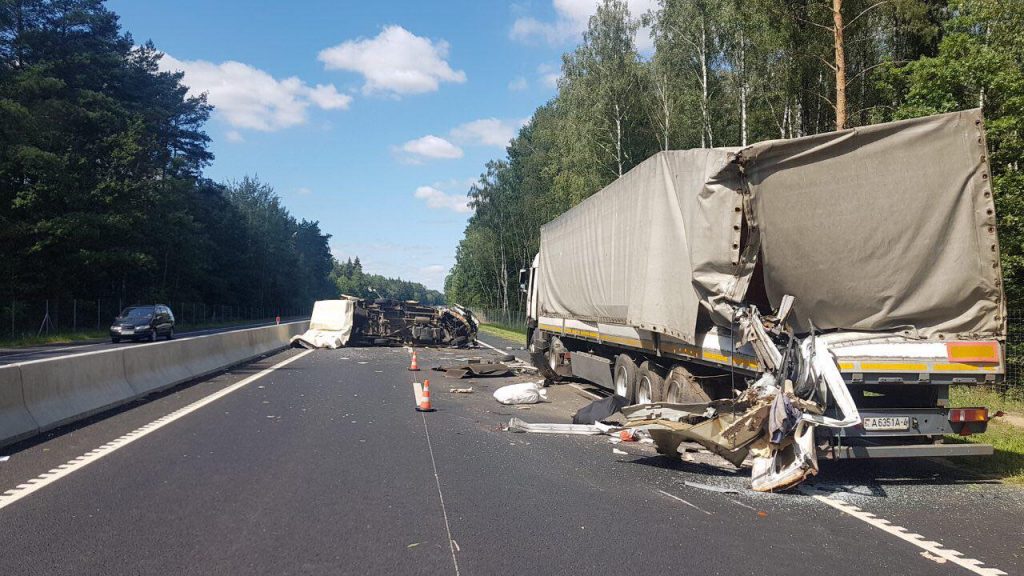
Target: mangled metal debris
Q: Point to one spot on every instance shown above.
(476, 367)
(773, 419)
(336, 323)
(517, 425)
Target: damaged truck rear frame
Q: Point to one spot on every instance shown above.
(845, 279)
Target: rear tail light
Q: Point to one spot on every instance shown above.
(972, 351)
(958, 415)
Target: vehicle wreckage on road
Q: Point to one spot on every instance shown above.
(385, 322)
(787, 300)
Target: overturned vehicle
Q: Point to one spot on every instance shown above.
(385, 322)
(786, 301)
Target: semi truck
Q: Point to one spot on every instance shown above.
(840, 282)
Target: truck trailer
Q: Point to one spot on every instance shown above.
(789, 300)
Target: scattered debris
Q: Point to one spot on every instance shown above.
(517, 425)
(4, 458)
(710, 488)
(525, 393)
(617, 451)
(472, 369)
(461, 390)
(773, 420)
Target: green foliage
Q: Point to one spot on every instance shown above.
(980, 62)
(726, 72)
(350, 280)
(101, 192)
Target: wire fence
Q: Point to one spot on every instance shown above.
(28, 318)
(510, 319)
(1015, 349)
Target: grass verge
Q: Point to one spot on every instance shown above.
(512, 334)
(1007, 439)
(1008, 460)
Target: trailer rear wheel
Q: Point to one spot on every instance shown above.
(625, 377)
(682, 388)
(650, 384)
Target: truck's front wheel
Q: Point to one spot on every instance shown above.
(545, 355)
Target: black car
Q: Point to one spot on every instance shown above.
(143, 322)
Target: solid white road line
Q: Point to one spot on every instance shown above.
(932, 550)
(22, 490)
(499, 350)
(673, 496)
(452, 545)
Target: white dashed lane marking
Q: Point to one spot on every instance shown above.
(932, 550)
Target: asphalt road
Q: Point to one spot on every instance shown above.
(323, 467)
(29, 353)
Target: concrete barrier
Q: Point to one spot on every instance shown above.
(150, 367)
(41, 395)
(61, 390)
(15, 421)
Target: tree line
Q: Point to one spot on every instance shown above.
(728, 73)
(102, 193)
(351, 280)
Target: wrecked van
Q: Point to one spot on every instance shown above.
(789, 300)
(384, 322)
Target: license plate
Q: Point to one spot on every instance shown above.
(887, 423)
(127, 330)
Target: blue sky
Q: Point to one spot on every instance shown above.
(372, 118)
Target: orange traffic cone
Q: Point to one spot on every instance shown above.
(414, 367)
(425, 398)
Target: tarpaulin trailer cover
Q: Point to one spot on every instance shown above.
(882, 228)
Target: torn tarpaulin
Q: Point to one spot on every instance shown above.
(599, 409)
(474, 369)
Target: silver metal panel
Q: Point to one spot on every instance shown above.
(594, 368)
(912, 451)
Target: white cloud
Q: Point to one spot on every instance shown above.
(303, 191)
(518, 84)
(248, 98)
(487, 132)
(439, 200)
(571, 17)
(549, 75)
(234, 136)
(429, 146)
(327, 97)
(396, 62)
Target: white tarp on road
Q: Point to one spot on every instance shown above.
(330, 325)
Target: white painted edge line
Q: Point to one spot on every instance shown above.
(22, 490)
(932, 550)
(584, 392)
(674, 497)
(499, 350)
